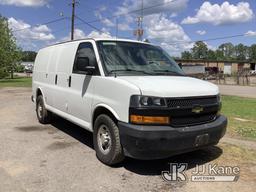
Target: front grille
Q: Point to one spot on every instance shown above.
(190, 102)
(186, 105)
(192, 120)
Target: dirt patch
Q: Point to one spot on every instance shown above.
(58, 137)
(239, 156)
(243, 120)
(43, 163)
(61, 145)
(37, 128)
(32, 128)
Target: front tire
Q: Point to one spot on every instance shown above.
(106, 141)
(43, 115)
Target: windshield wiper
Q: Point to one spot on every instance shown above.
(129, 70)
(168, 72)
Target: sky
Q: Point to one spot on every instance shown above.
(172, 24)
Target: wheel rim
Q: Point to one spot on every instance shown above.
(40, 110)
(104, 139)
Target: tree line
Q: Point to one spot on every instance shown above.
(226, 51)
(10, 53)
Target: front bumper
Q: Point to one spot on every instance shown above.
(155, 142)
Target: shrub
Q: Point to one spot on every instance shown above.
(3, 73)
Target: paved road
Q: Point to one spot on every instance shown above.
(242, 91)
(59, 157)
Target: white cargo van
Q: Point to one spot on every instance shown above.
(131, 95)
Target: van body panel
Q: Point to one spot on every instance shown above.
(50, 75)
(81, 91)
(166, 86)
(116, 93)
(70, 118)
(64, 69)
(80, 96)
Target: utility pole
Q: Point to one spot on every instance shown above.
(73, 19)
(139, 31)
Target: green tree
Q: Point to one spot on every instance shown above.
(9, 51)
(199, 50)
(211, 55)
(28, 55)
(219, 55)
(241, 52)
(252, 53)
(186, 55)
(228, 50)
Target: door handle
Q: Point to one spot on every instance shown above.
(56, 79)
(69, 81)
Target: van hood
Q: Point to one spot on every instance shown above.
(171, 86)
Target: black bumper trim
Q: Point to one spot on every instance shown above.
(155, 142)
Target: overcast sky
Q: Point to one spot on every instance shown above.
(167, 25)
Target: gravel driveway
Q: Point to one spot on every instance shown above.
(236, 90)
(59, 157)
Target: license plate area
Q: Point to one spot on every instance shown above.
(201, 140)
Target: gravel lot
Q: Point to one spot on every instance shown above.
(59, 157)
(241, 91)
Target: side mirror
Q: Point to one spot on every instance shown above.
(90, 70)
(83, 64)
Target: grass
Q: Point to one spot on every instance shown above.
(16, 82)
(241, 113)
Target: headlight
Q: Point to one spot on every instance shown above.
(147, 101)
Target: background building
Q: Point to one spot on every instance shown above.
(227, 67)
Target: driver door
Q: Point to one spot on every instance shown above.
(81, 84)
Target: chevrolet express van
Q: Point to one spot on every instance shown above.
(132, 95)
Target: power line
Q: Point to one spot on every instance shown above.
(97, 20)
(142, 9)
(46, 23)
(83, 21)
(133, 11)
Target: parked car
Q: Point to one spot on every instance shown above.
(253, 72)
(132, 95)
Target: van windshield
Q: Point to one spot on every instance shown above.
(129, 58)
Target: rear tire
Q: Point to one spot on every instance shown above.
(43, 115)
(106, 141)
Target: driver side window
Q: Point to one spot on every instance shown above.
(85, 53)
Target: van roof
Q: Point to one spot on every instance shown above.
(100, 39)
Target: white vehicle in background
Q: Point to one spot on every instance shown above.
(131, 95)
(253, 72)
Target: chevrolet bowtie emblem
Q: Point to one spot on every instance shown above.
(197, 109)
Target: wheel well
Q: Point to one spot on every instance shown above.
(38, 92)
(102, 110)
